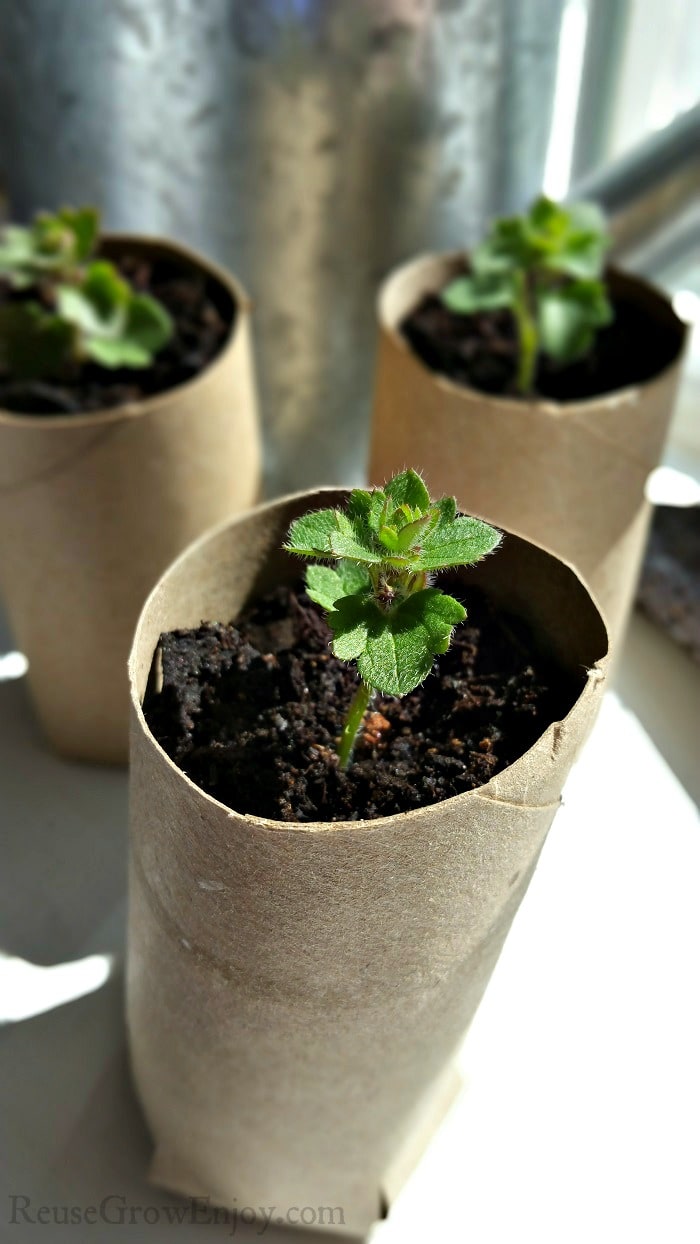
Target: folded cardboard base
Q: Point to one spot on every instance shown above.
(360, 1208)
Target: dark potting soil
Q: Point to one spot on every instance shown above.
(252, 713)
(480, 351)
(203, 314)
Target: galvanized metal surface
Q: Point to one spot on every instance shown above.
(652, 195)
(308, 144)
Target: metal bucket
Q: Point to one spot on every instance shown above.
(307, 144)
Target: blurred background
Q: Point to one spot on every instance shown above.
(312, 144)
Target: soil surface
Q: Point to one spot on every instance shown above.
(203, 313)
(252, 713)
(480, 351)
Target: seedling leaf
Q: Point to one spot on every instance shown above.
(355, 540)
(84, 223)
(394, 650)
(310, 535)
(380, 607)
(326, 585)
(468, 294)
(408, 488)
(459, 543)
(568, 318)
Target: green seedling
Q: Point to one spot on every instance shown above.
(377, 558)
(546, 268)
(70, 307)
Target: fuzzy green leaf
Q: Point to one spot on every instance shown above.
(369, 523)
(148, 324)
(569, 316)
(116, 352)
(407, 488)
(350, 621)
(120, 329)
(549, 228)
(52, 245)
(395, 649)
(327, 584)
(508, 247)
(16, 252)
(105, 288)
(366, 513)
(379, 506)
(469, 294)
(582, 256)
(411, 534)
(84, 224)
(445, 510)
(91, 314)
(359, 503)
(310, 535)
(586, 218)
(389, 537)
(458, 543)
(15, 244)
(547, 218)
(569, 239)
(353, 539)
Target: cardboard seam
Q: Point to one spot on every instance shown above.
(59, 468)
(232, 973)
(510, 803)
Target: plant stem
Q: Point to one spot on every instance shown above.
(358, 707)
(527, 338)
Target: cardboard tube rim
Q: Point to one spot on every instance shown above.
(143, 407)
(445, 262)
(594, 674)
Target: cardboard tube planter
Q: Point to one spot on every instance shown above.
(570, 476)
(93, 507)
(296, 993)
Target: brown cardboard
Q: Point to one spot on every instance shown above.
(296, 993)
(94, 507)
(568, 476)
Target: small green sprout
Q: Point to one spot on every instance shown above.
(71, 307)
(377, 593)
(546, 268)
